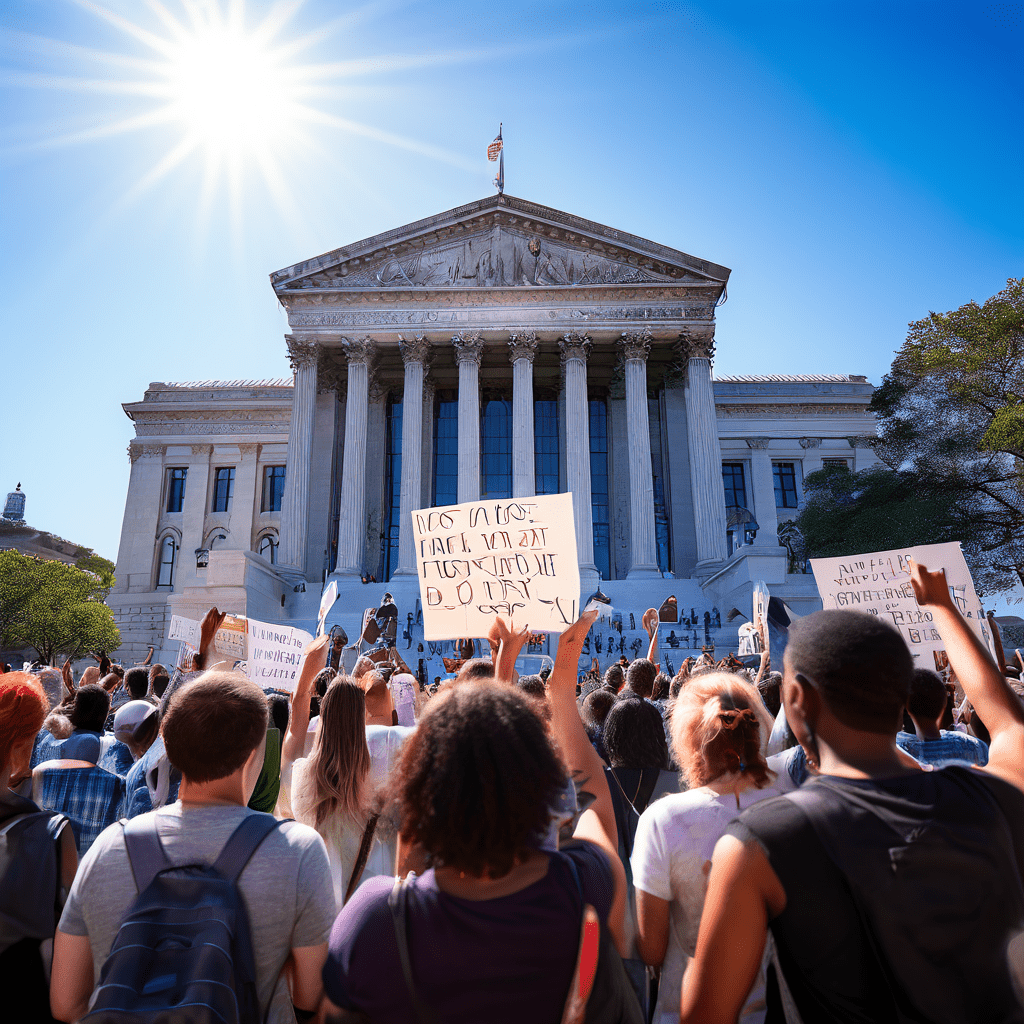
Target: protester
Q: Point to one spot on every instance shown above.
(594, 710)
(136, 726)
(930, 743)
(214, 730)
(380, 710)
(492, 927)
(640, 678)
(614, 678)
(890, 893)
(39, 859)
(86, 717)
(717, 725)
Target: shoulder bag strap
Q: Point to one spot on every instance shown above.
(362, 856)
(145, 851)
(397, 902)
(244, 842)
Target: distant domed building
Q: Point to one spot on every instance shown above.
(14, 509)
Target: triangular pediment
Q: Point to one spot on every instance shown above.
(498, 242)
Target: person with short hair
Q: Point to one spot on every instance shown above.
(136, 683)
(214, 730)
(852, 871)
(614, 678)
(640, 677)
(475, 670)
(929, 743)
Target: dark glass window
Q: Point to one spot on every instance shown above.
(393, 489)
(268, 548)
(273, 488)
(223, 488)
(735, 491)
(785, 484)
(446, 451)
(661, 532)
(168, 553)
(545, 446)
(599, 486)
(175, 489)
(496, 447)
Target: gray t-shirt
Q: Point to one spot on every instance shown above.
(286, 887)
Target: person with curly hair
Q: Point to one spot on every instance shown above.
(719, 726)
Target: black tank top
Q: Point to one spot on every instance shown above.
(903, 896)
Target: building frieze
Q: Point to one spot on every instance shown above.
(152, 429)
(773, 409)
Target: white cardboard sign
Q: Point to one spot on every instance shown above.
(879, 584)
(513, 557)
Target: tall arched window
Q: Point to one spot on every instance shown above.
(268, 548)
(168, 556)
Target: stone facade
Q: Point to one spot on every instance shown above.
(500, 348)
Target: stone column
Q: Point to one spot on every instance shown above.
(194, 510)
(468, 350)
(245, 502)
(705, 450)
(522, 349)
(762, 483)
(414, 353)
(812, 460)
(635, 347)
(575, 350)
(303, 353)
(427, 456)
(136, 554)
(352, 522)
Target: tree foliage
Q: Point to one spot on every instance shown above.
(55, 608)
(102, 568)
(951, 420)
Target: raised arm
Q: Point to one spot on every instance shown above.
(506, 643)
(651, 624)
(314, 657)
(990, 694)
(597, 822)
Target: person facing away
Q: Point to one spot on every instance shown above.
(929, 743)
(214, 730)
(892, 894)
(717, 726)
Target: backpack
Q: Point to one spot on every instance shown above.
(183, 953)
(29, 873)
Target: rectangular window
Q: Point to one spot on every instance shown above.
(785, 484)
(223, 488)
(545, 445)
(446, 450)
(735, 490)
(273, 488)
(176, 489)
(599, 486)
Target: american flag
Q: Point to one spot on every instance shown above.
(495, 148)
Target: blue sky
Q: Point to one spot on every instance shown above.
(855, 164)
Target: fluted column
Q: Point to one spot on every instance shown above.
(427, 473)
(468, 350)
(522, 349)
(705, 451)
(635, 347)
(414, 353)
(303, 353)
(762, 483)
(352, 522)
(575, 352)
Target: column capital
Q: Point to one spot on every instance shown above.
(698, 341)
(358, 351)
(810, 442)
(416, 350)
(303, 350)
(862, 441)
(636, 344)
(574, 345)
(522, 345)
(202, 449)
(758, 442)
(140, 451)
(246, 450)
(469, 346)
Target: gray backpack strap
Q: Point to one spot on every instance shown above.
(145, 851)
(244, 842)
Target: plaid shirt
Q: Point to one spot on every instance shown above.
(952, 748)
(90, 797)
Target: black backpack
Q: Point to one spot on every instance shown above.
(29, 876)
(183, 953)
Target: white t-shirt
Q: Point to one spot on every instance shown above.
(675, 838)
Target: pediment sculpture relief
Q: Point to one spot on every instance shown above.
(491, 259)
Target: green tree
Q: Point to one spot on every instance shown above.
(55, 608)
(877, 509)
(951, 417)
(102, 568)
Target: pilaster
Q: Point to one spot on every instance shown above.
(468, 352)
(522, 350)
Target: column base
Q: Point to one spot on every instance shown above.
(707, 568)
(644, 572)
(291, 574)
(345, 574)
(404, 572)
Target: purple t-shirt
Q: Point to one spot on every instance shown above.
(504, 961)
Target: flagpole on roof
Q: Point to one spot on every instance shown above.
(496, 151)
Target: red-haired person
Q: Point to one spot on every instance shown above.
(41, 858)
(719, 726)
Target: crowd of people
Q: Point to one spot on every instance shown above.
(841, 839)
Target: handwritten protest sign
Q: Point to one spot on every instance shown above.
(330, 595)
(511, 557)
(879, 584)
(269, 655)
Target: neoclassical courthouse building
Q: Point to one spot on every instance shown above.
(501, 349)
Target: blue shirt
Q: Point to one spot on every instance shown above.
(90, 797)
(951, 748)
(118, 759)
(81, 745)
